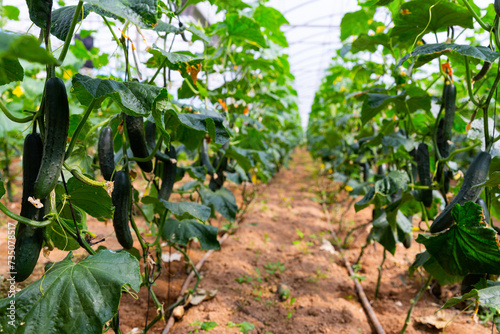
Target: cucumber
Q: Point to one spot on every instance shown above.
(486, 213)
(218, 179)
(106, 153)
(137, 141)
(56, 135)
(449, 100)
(496, 6)
(424, 173)
(29, 240)
(442, 143)
(484, 70)
(475, 174)
(121, 200)
(366, 171)
(169, 174)
(407, 240)
(205, 159)
(150, 134)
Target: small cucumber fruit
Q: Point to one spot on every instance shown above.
(169, 174)
(424, 173)
(106, 153)
(137, 141)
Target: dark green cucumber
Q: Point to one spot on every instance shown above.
(150, 133)
(442, 143)
(106, 153)
(121, 201)
(449, 100)
(424, 173)
(169, 174)
(205, 159)
(29, 240)
(484, 70)
(486, 213)
(366, 171)
(137, 141)
(407, 240)
(218, 179)
(496, 5)
(56, 136)
(475, 174)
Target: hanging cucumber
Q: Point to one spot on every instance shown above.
(482, 73)
(121, 201)
(29, 240)
(106, 153)
(137, 141)
(424, 173)
(150, 133)
(218, 179)
(169, 174)
(496, 5)
(475, 174)
(205, 159)
(442, 142)
(449, 100)
(56, 135)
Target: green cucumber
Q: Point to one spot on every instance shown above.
(424, 173)
(496, 6)
(137, 141)
(29, 239)
(205, 159)
(407, 240)
(449, 100)
(218, 179)
(484, 70)
(56, 135)
(150, 133)
(442, 142)
(475, 174)
(366, 171)
(121, 200)
(106, 153)
(486, 213)
(169, 174)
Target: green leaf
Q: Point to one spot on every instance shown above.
(493, 181)
(374, 103)
(272, 20)
(428, 52)
(83, 295)
(242, 156)
(60, 22)
(488, 296)
(11, 12)
(134, 98)
(469, 247)
(2, 188)
(188, 209)
(246, 28)
(199, 33)
(95, 201)
(166, 27)
(355, 23)
(413, 19)
(174, 60)
(222, 200)
(26, 47)
(387, 186)
(229, 5)
(10, 70)
(365, 42)
(140, 12)
(181, 231)
(59, 236)
(39, 12)
(433, 267)
(190, 129)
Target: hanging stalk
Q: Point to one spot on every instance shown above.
(380, 269)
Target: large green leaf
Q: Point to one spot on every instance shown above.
(25, 47)
(39, 12)
(184, 210)
(140, 12)
(181, 231)
(428, 52)
(222, 200)
(468, 247)
(229, 5)
(10, 70)
(246, 28)
(356, 23)
(174, 60)
(134, 98)
(375, 103)
(73, 297)
(62, 18)
(387, 186)
(272, 20)
(488, 296)
(190, 129)
(95, 201)
(419, 17)
(366, 42)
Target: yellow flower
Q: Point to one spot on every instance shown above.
(68, 74)
(370, 21)
(348, 188)
(18, 91)
(322, 166)
(254, 178)
(380, 29)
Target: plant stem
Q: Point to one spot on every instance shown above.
(483, 25)
(71, 31)
(22, 219)
(79, 129)
(152, 154)
(12, 117)
(468, 81)
(414, 301)
(380, 269)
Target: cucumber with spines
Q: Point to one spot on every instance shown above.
(424, 173)
(121, 201)
(55, 139)
(169, 174)
(137, 141)
(150, 132)
(106, 153)
(449, 100)
(475, 174)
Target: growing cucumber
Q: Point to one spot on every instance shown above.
(218, 179)
(442, 142)
(56, 135)
(169, 174)
(121, 200)
(424, 173)
(205, 159)
(150, 134)
(484, 70)
(449, 100)
(407, 240)
(366, 171)
(475, 174)
(137, 141)
(29, 240)
(496, 5)
(106, 153)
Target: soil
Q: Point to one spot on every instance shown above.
(282, 241)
